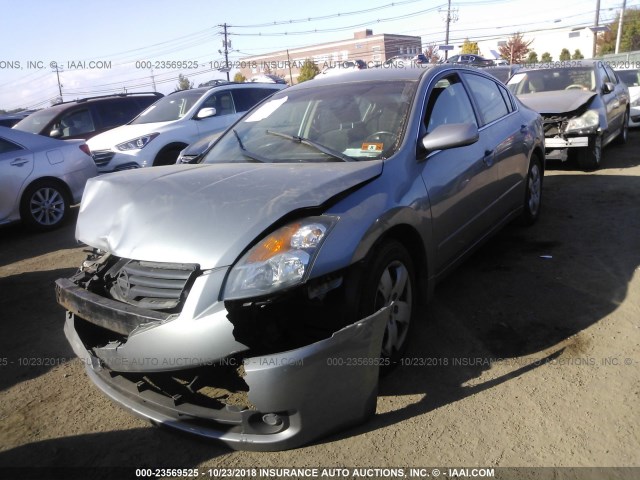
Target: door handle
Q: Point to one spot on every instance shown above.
(523, 129)
(18, 162)
(488, 157)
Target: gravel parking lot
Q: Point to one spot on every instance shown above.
(529, 355)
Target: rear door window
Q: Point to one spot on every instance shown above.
(488, 97)
(246, 98)
(116, 112)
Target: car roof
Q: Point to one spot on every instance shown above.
(58, 107)
(33, 141)
(233, 85)
(410, 73)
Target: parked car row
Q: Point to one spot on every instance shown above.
(158, 134)
(40, 177)
(87, 117)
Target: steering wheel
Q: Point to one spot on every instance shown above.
(575, 86)
(379, 134)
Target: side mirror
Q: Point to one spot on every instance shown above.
(55, 133)
(205, 113)
(608, 87)
(451, 135)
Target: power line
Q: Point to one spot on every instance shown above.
(327, 17)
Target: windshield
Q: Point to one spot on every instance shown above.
(169, 108)
(553, 79)
(630, 77)
(354, 121)
(35, 122)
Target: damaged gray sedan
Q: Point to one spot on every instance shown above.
(255, 297)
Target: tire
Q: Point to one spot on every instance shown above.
(167, 156)
(590, 158)
(533, 192)
(390, 277)
(621, 139)
(44, 206)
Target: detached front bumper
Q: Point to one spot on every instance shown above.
(295, 396)
(556, 147)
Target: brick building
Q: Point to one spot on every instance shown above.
(373, 49)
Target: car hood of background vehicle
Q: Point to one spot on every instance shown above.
(557, 102)
(204, 214)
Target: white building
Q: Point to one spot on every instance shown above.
(552, 41)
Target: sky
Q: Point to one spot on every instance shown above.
(108, 47)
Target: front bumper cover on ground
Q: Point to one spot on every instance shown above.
(298, 395)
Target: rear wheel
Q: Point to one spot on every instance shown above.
(44, 206)
(533, 192)
(621, 139)
(590, 158)
(389, 279)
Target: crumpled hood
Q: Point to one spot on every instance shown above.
(556, 102)
(204, 214)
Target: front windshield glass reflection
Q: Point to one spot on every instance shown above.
(351, 122)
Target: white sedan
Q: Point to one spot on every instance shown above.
(631, 77)
(41, 177)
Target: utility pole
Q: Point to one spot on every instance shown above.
(153, 81)
(450, 18)
(595, 28)
(57, 70)
(225, 43)
(289, 62)
(624, 4)
(446, 38)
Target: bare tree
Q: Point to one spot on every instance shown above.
(515, 49)
(431, 52)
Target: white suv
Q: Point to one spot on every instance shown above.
(159, 133)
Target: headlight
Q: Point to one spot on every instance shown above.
(280, 260)
(636, 102)
(137, 143)
(588, 120)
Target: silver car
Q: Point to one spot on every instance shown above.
(40, 177)
(255, 298)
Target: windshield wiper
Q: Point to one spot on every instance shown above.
(311, 143)
(247, 153)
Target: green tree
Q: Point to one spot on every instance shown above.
(240, 78)
(577, 55)
(183, 83)
(532, 57)
(565, 55)
(515, 49)
(630, 38)
(308, 71)
(546, 57)
(470, 47)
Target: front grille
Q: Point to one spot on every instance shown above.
(152, 285)
(554, 125)
(102, 157)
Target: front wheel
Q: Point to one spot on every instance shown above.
(590, 158)
(168, 156)
(389, 279)
(44, 206)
